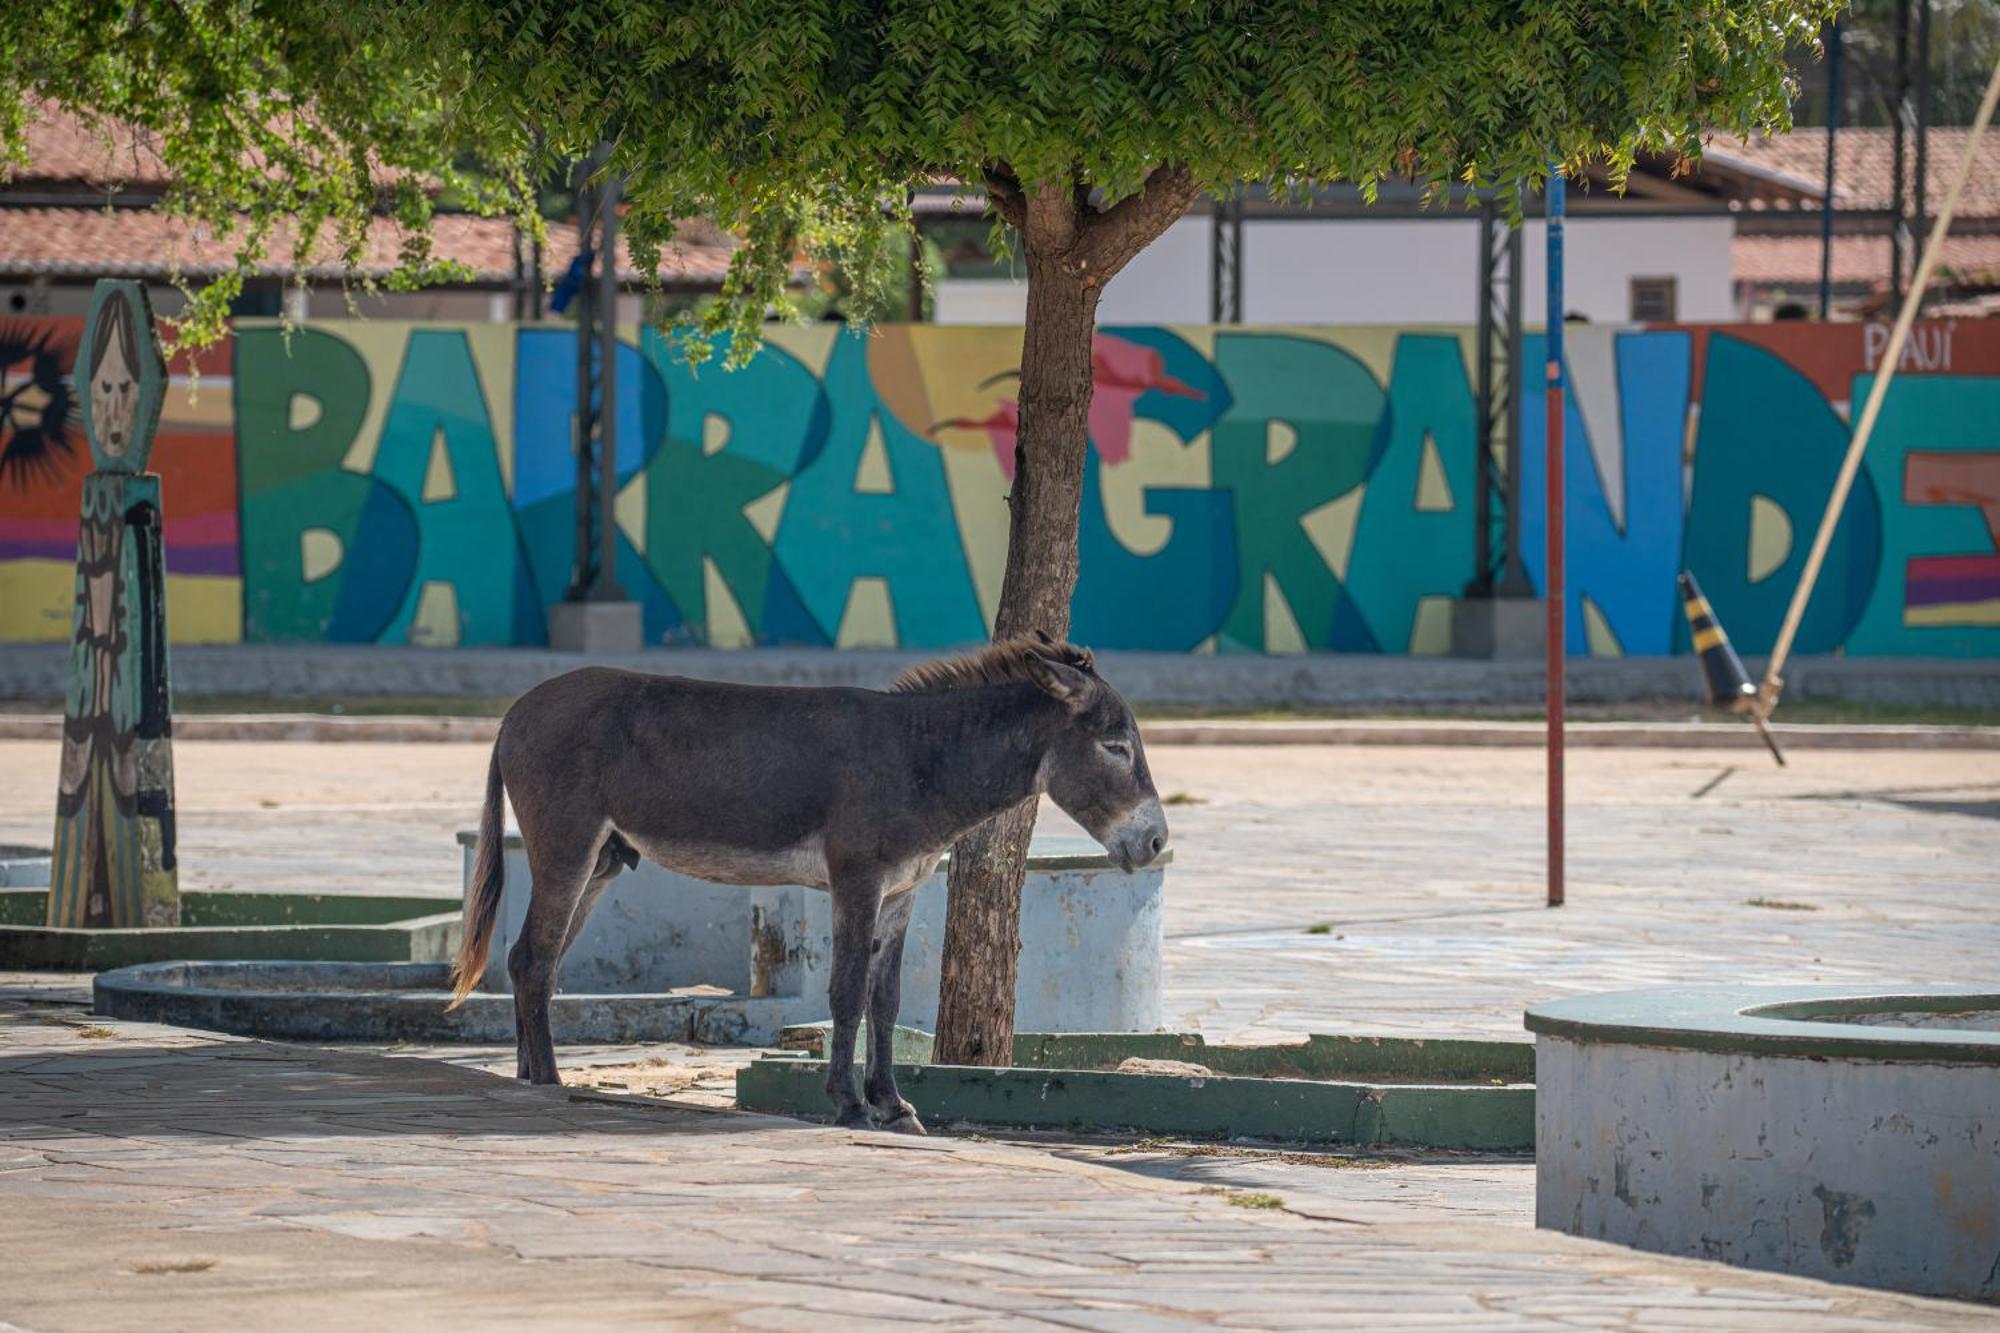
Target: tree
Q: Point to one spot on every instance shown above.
(1965, 38)
(803, 124)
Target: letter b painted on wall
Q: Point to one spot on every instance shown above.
(320, 543)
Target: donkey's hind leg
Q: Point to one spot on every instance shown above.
(561, 873)
(615, 855)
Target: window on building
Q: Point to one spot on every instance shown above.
(261, 297)
(1653, 301)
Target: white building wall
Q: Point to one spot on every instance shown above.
(1390, 271)
(1360, 271)
(1167, 282)
(1602, 255)
(980, 301)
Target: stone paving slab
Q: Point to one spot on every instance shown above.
(152, 1178)
(1339, 889)
(1422, 868)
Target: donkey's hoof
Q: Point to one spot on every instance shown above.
(900, 1118)
(853, 1117)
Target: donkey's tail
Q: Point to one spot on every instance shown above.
(482, 894)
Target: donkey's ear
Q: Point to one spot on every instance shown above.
(1061, 681)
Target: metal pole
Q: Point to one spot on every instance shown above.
(916, 273)
(1225, 259)
(1892, 356)
(520, 276)
(1514, 384)
(1899, 127)
(606, 588)
(1218, 259)
(536, 297)
(582, 425)
(1826, 206)
(1554, 593)
(1920, 179)
(1482, 444)
(1236, 249)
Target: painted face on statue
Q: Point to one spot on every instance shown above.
(114, 399)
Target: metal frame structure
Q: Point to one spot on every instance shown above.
(1497, 568)
(1225, 259)
(1827, 202)
(594, 430)
(1909, 121)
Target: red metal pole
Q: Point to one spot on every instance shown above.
(1553, 593)
(1556, 684)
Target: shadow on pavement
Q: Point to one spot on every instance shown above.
(127, 1086)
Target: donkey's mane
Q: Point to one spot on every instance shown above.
(999, 663)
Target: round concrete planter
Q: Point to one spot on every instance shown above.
(1825, 1131)
(384, 1002)
(1090, 941)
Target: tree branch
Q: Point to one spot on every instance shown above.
(1054, 221)
(1109, 239)
(1005, 192)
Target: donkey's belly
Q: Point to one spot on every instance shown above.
(720, 863)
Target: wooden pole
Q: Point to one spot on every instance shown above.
(1892, 355)
(1553, 594)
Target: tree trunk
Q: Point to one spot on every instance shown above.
(982, 937)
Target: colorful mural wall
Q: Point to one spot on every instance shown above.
(1252, 489)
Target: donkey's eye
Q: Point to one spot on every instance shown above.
(1118, 750)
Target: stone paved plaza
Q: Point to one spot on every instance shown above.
(160, 1179)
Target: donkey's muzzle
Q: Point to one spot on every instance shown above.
(1139, 838)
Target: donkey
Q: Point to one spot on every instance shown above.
(858, 792)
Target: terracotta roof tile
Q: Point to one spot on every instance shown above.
(96, 242)
(1856, 259)
(67, 152)
(64, 149)
(1865, 157)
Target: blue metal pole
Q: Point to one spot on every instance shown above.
(1826, 204)
(1553, 594)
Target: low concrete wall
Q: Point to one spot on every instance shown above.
(1356, 681)
(225, 923)
(1769, 1128)
(1090, 941)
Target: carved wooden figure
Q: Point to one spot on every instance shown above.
(114, 840)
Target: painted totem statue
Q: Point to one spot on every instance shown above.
(114, 843)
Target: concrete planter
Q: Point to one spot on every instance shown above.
(1809, 1130)
(227, 924)
(1351, 1091)
(1090, 942)
(385, 1002)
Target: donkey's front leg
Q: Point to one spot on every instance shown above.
(856, 900)
(885, 996)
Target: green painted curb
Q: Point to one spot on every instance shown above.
(1368, 1059)
(1283, 1093)
(219, 924)
(1805, 1022)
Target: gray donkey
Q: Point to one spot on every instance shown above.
(858, 792)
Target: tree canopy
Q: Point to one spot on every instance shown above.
(801, 125)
